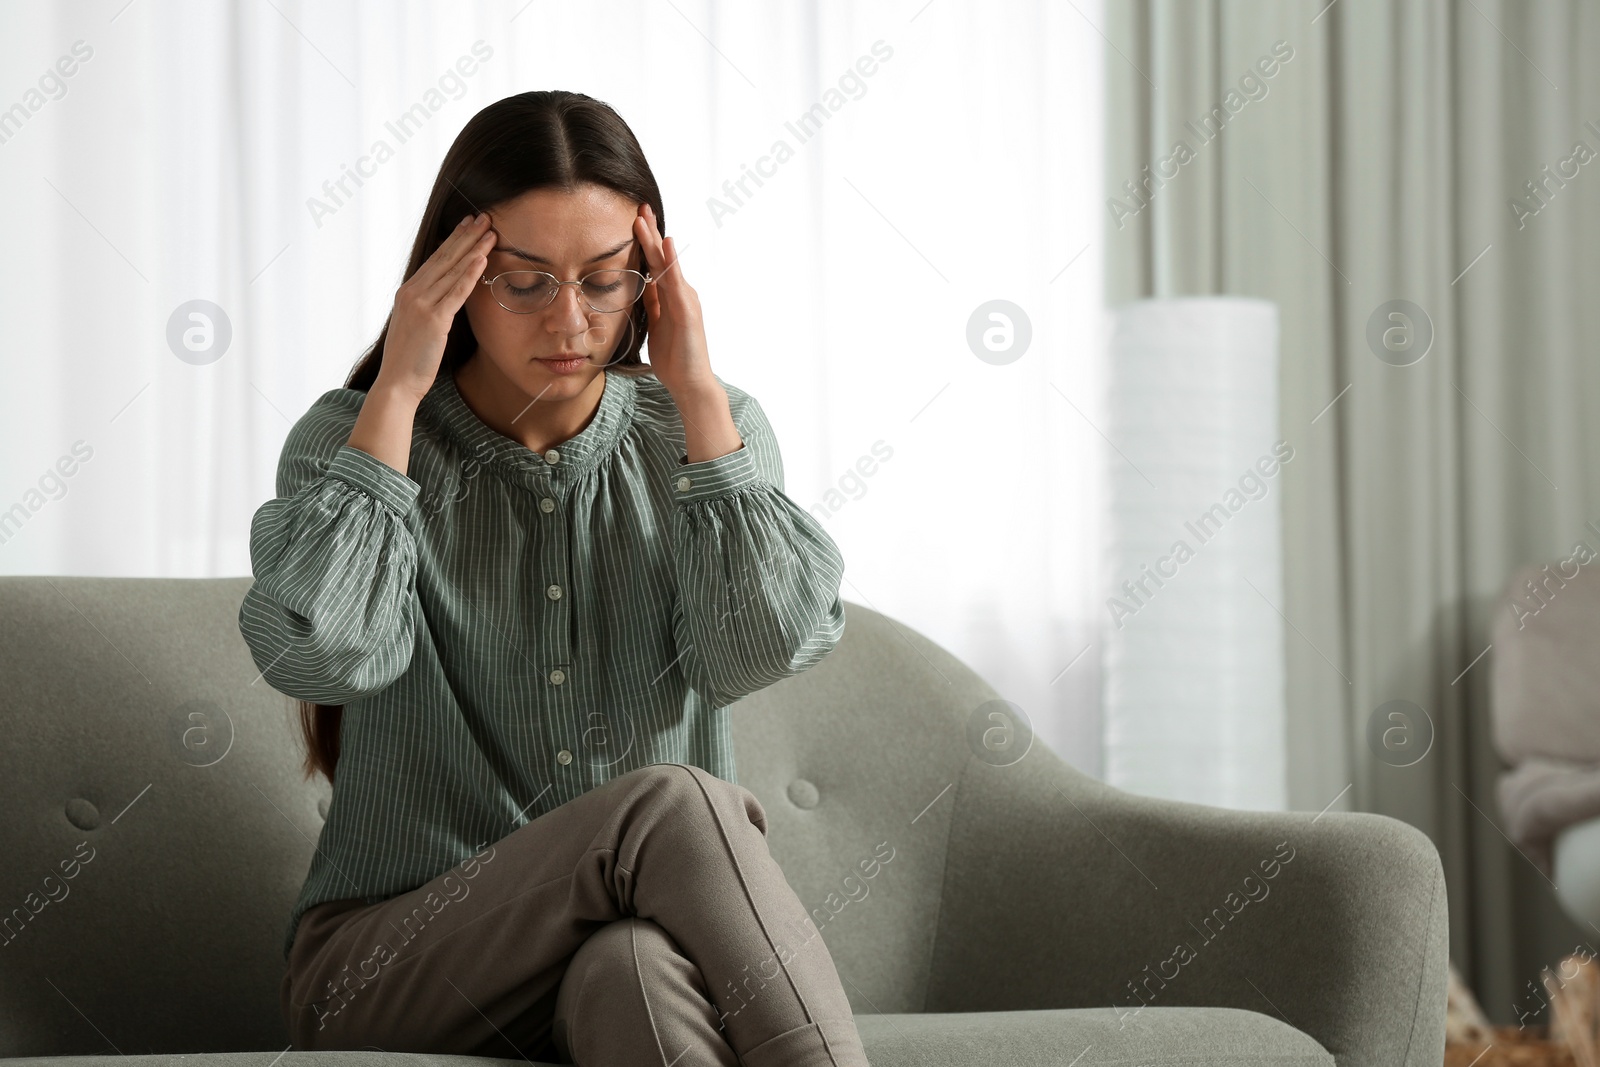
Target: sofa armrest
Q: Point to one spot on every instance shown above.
(1063, 892)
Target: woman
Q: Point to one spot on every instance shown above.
(515, 576)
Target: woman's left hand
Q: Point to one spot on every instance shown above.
(676, 334)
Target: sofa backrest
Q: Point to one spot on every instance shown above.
(159, 827)
(1545, 675)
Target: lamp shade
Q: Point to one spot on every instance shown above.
(1194, 641)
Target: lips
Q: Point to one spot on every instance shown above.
(564, 366)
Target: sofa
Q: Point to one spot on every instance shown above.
(159, 827)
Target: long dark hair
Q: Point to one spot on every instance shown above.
(534, 140)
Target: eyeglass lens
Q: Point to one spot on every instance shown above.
(527, 291)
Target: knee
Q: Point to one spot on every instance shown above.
(607, 950)
(674, 779)
(697, 791)
(621, 947)
(607, 981)
(629, 954)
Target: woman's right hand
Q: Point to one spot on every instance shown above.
(425, 307)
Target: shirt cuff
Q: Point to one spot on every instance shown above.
(368, 472)
(715, 477)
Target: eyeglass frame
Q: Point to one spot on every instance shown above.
(648, 280)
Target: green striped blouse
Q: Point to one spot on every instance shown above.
(507, 629)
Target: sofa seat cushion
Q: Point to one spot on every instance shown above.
(1070, 1037)
(368, 1057)
(1089, 1037)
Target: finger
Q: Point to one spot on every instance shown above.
(672, 289)
(472, 271)
(669, 272)
(673, 270)
(649, 241)
(652, 256)
(652, 305)
(657, 253)
(466, 273)
(469, 264)
(462, 241)
(438, 264)
(459, 243)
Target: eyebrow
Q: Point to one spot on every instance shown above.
(512, 250)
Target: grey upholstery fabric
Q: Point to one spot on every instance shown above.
(1545, 703)
(1022, 902)
(1545, 681)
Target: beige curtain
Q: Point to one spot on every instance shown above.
(1364, 152)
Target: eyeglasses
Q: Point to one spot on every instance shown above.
(523, 292)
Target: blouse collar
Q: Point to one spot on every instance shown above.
(444, 406)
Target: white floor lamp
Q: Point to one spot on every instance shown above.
(1193, 656)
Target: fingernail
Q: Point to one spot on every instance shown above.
(464, 220)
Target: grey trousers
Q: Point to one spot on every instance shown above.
(642, 922)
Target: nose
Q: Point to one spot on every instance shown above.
(568, 313)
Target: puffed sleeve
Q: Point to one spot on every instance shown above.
(332, 613)
(758, 576)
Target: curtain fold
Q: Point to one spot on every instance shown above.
(1382, 162)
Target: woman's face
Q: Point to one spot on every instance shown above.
(569, 235)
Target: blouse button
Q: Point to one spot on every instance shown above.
(558, 676)
(684, 483)
(547, 505)
(554, 592)
(552, 457)
(563, 757)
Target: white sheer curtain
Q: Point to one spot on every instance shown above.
(957, 163)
